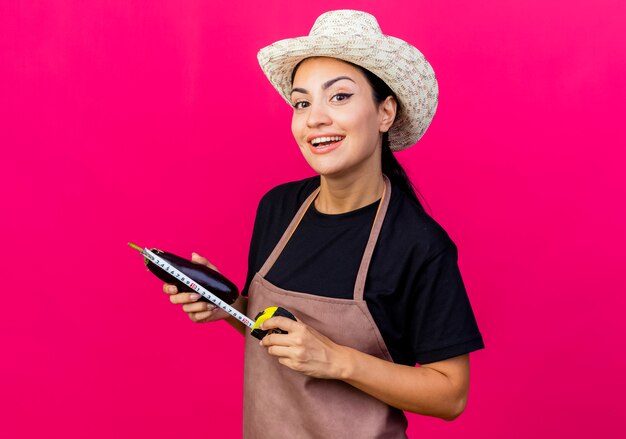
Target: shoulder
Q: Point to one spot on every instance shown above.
(412, 230)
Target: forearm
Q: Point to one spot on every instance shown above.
(435, 389)
(241, 305)
(420, 390)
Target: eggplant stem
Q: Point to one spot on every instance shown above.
(136, 247)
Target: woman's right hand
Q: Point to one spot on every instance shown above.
(199, 311)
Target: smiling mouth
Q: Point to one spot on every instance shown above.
(321, 142)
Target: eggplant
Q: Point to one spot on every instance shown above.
(204, 276)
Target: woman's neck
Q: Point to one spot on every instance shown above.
(340, 194)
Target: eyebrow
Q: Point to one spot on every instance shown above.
(324, 85)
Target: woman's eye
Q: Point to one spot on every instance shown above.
(300, 104)
(341, 96)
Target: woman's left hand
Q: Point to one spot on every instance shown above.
(304, 349)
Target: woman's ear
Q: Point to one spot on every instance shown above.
(387, 113)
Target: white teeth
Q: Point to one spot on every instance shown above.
(326, 139)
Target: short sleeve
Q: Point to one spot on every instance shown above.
(445, 322)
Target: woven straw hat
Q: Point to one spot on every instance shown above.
(355, 36)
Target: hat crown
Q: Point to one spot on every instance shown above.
(356, 37)
(346, 21)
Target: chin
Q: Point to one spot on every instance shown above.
(326, 166)
(332, 170)
(326, 169)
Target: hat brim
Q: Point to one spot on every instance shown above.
(400, 65)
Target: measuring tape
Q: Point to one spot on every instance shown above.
(255, 326)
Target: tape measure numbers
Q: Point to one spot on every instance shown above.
(254, 326)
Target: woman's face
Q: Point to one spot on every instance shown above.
(333, 103)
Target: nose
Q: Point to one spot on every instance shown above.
(318, 115)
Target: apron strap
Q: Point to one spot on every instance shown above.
(287, 235)
(359, 286)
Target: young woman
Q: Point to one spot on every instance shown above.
(371, 278)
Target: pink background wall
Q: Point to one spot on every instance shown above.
(119, 114)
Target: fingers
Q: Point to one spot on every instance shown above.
(279, 340)
(200, 317)
(283, 323)
(198, 307)
(199, 311)
(169, 289)
(280, 351)
(187, 297)
(181, 298)
(197, 259)
(293, 337)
